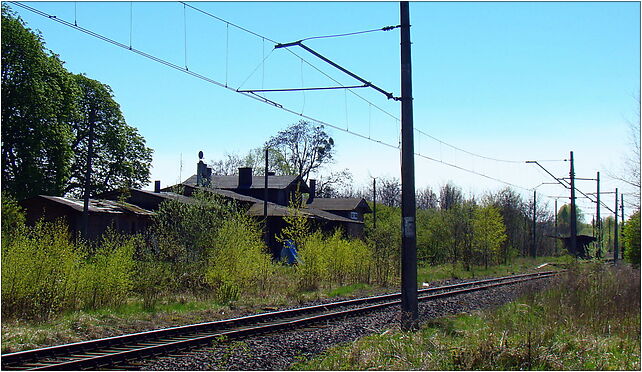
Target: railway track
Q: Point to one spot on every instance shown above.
(114, 351)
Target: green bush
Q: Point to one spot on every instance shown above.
(333, 259)
(105, 277)
(181, 234)
(39, 271)
(44, 273)
(312, 269)
(385, 243)
(236, 258)
(435, 237)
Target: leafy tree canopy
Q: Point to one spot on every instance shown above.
(37, 104)
(120, 157)
(46, 116)
(255, 158)
(306, 147)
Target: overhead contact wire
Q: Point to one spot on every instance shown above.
(387, 28)
(251, 95)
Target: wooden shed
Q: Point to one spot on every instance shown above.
(122, 216)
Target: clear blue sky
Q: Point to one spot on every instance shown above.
(513, 81)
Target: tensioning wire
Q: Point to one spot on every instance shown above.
(255, 96)
(387, 28)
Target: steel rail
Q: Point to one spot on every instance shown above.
(108, 351)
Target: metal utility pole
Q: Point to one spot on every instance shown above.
(409, 307)
(374, 203)
(556, 226)
(622, 224)
(615, 240)
(573, 221)
(598, 222)
(90, 150)
(265, 201)
(534, 248)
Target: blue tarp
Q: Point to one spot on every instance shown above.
(289, 253)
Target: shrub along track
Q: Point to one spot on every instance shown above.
(124, 350)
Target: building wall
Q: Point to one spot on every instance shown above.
(126, 223)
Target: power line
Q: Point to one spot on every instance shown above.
(387, 28)
(474, 154)
(139, 52)
(228, 22)
(293, 53)
(472, 171)
(349, 88)
(251, 94)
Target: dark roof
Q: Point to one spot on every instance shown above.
(162, 195)
(258, 182)
(97, 205)
(276, 210)
(226, 193)
(340, 204)
(582, 239)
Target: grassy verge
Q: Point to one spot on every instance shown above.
(171, 310)
(517, 265)
(590, 320)
(178, 309)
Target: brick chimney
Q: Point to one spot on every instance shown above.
(157, 186)
(313, 190)
(245, 177)
(203, 172)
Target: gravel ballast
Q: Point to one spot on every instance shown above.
(278, 351)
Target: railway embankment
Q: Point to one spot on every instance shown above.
(586, 320)
(281, 350)
(124, 350)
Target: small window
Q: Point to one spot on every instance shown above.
(354, 215)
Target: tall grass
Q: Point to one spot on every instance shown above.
(588, 320)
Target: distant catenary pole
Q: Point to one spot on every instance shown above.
(374, 203)
(265, 200)
(556, 226)
(616, 248)
(573, 216)
(622, 224)
(598, 223)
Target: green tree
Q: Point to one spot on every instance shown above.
(514, 213)
(37, 104)
(564, 219)
(305, 146)
(489, 233)
(119, 157)
(46, 118)
(461, 219)
(435, 238)
(450, 196)
(632, 239)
